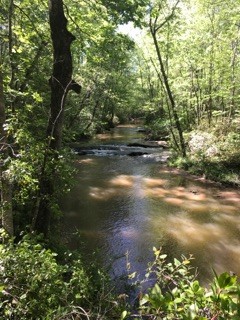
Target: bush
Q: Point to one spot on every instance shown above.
(177, 294)
(217, 157)
(157, 130)
(33, 285)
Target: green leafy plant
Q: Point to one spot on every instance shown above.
(34, 285)
(177, 294)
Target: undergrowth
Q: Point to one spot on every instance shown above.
(213, 153)
(177, 294)
(35, 286)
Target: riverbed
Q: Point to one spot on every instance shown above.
(122, 206)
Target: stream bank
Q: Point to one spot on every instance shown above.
(224, 173)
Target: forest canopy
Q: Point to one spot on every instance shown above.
(67, 72)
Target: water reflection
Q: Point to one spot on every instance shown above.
(132, 204)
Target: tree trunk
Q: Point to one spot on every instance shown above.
(235, 45)
(60, 82)
(5, 187)
(155, 25)
(169, 93)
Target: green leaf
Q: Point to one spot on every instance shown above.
(156, 289)
(23, 296)
(163, 256)
(195, 286)
(144, 300)
(132, 275)
(123, 315)
(225, 280)
(177, 262)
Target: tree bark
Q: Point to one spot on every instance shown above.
(60, 83)
(61, 80)
(5, 187)
(169, 93)
(235, 45)
(155, 26)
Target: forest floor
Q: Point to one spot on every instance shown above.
(226, 173)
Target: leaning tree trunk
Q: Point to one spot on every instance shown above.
(60, 83)
(5, 184)
(170, 94)
(155, 26)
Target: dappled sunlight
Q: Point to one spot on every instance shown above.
(102, 193)
(175, 195)
(212, 242)
(156, 192)
(229, 217)
(224, 256)
(196, 206)
(133, 203)
(231, 196)
(174, 201)
(193, 197)
(196, 196)
(232, 253)
(205, 206)
(179, 191)
(107, 136)
(228, 208)
(122, 181)
(213, 239)
(86, 160)
(115, 187)
(229, 221)
(170, 170)
(152, 183)
(192, 233)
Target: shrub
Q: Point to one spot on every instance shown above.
(177, 294)
(203, 144)
(33, 285)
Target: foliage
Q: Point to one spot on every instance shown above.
(222, 171)
(102, 64)
(202, 144)
(177, 294)
(200, 49)
(213, 153)
(199, 44)
(126, 11)
(34, 285)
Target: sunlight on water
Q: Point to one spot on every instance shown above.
(102, 194)
(213, 238)
(130, 204)
(87, 160)
(122, 181)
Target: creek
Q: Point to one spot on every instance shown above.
(128, 204)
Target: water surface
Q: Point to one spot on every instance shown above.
(129, 204)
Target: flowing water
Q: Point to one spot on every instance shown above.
(125, 203)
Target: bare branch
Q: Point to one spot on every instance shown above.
(169, 17)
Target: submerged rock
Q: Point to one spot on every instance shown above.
(149, 144)
(136, 153)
